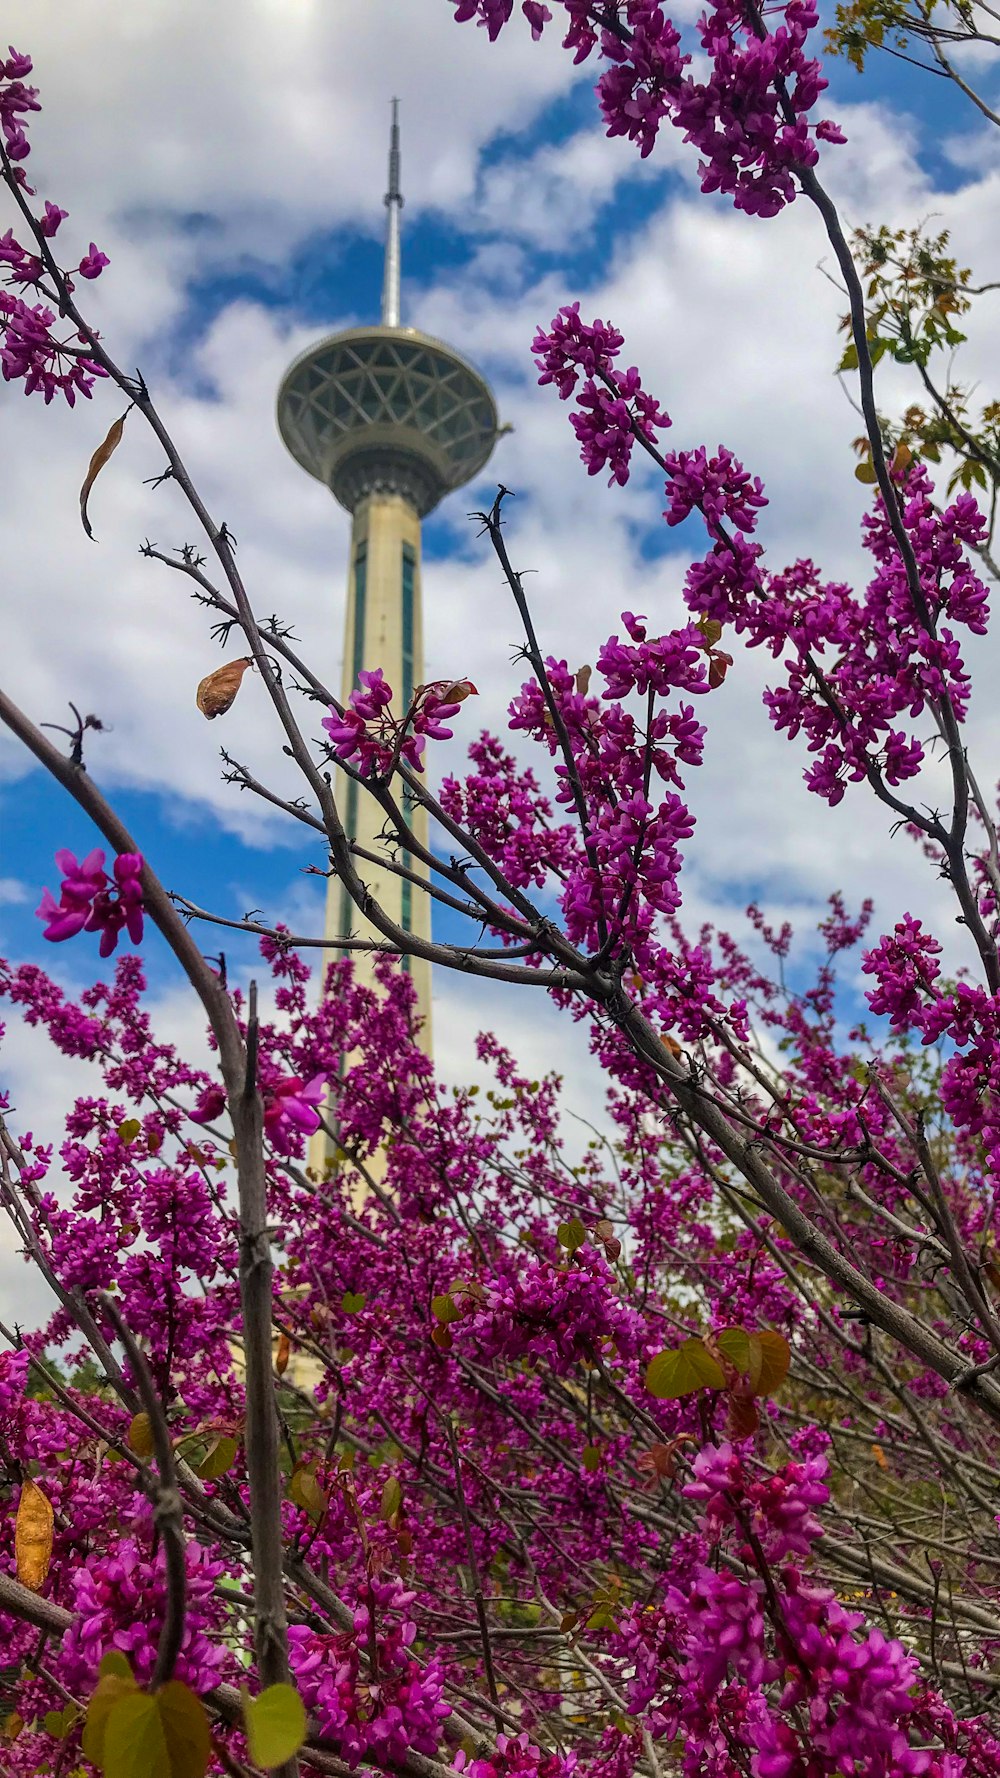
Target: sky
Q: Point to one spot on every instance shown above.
(231, 161)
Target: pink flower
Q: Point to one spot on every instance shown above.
(290, 1105)
(51, 220)
(209, 1105)
(93, 263)
(90, 902)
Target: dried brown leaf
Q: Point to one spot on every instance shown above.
(452, 691)
(217, 690)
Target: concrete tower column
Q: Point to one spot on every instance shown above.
(384, 627)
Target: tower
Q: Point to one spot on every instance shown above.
(391, 421)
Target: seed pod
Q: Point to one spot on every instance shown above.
(33, 1536)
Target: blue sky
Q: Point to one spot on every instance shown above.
(244, 219)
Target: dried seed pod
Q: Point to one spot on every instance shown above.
(33, 1536)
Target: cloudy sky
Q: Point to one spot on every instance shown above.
(231, 161)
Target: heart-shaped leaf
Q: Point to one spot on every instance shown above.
(140, 1435)
(275, 1724)
(671, 1375)
(777, 1356)
(220, 1457)
(571, 1235)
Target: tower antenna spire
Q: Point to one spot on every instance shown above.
(393, 204)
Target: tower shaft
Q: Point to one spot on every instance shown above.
(384, 628)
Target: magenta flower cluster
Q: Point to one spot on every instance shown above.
(30, 349)
(861, 671)
(613, 409)
(381, 1714)
(749, 119)
(728, 1631)
(90, 901)
(120, 1600)
(369, 732)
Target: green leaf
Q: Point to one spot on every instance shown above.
(671, 1375)
(185, 1729)
(865, 472)
(306, 1492)
(115, 1683)
(849, 361)
(163, 1734)
(116, 1664)
(591, 1458)
(220, 1457)
(445, 1309)
(130, 1129)
(135, 1745)
(353, 1301)
(744, 1352)
(140, 1435)
(392, 1499)
(571, 1235)
(275, 1725)
(59, 1722)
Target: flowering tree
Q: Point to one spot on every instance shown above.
(455, 1456)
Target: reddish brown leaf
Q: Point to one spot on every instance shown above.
(283, 1355)
(605, 1233)
(744, 1419)
(718, 666)
(101, 456)
(217, 690)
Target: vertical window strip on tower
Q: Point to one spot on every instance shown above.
(409, 577)
(360, 588)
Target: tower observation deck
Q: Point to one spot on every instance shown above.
(390, 420)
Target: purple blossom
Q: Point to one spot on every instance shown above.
(290, 1105)
(93, 263)
(89, 901)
